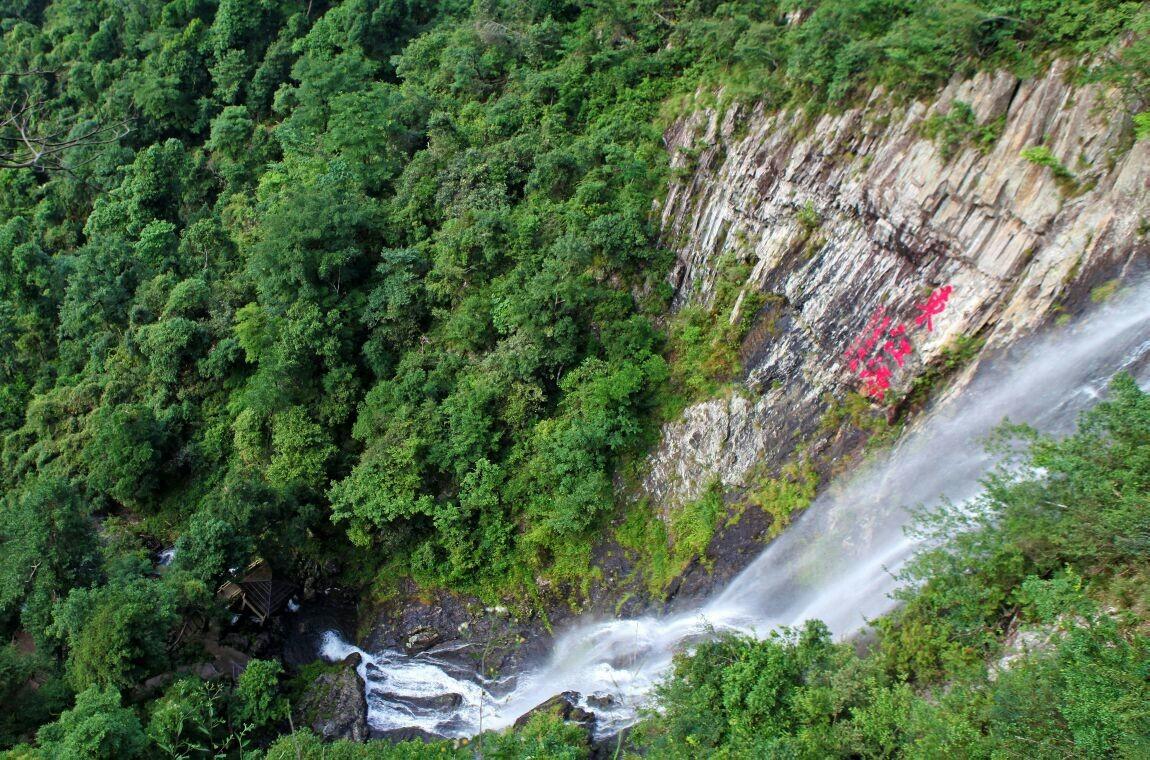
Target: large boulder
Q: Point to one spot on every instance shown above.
(564, 706)
(335, 705)
(422, 639)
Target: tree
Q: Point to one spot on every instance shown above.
(47, 547)
(125, 453)
(116, 635)
(185, 721)
(30, 138)
(300, 451)
(97, 728)
(258, 702)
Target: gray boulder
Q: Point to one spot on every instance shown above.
(564, 706)
(334, 705)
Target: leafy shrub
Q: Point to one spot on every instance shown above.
(1040, 155)
(959, 127)
(808, 217)
(116, 635)
(781, 497)
(257, 698)
(97, 728)
(1142, 125)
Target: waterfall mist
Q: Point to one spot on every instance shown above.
(836, 562)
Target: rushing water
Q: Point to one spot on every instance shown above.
(835, 563)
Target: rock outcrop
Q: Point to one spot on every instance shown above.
(335, 705)
(565, 707)
(862, 210)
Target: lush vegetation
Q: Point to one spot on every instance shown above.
(1055, 554)
(366, 283)
(1023, 632)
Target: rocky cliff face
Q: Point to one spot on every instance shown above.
(863, 211)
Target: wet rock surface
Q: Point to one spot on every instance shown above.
(406, 735)
(303, 630)
(421, 639)
(564, 706)
(334, 705)
(438, 702)
(461, 629)
(601, 701)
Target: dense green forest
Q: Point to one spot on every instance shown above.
(1059, 553)
(371, 290)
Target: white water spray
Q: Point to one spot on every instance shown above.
(835, 563)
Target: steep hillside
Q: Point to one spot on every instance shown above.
(439, 324)
(845, 216)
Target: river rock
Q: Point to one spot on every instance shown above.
(601, 701)
(564, 706)
(334, 705)
(421, 639)
(610, 747)
(409, 734)
(433, 703)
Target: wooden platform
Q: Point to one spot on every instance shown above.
(257, 591)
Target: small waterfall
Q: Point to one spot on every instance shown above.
(835, 563)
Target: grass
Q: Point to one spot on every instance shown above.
(953, 356)
(704, 340)
(783, 496)
(859, 412)
(1105, 291)
(959, 128)
(1040, 155)
(664, 549)
(808, 217)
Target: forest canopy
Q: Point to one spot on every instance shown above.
(366, 289)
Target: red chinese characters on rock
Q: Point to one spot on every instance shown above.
(862, 346)
(872, 365)
(933, 307)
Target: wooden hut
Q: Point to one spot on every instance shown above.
(256, 591)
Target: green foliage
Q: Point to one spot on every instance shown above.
(844, 48)
(955, 355)
(1105, 290)
(1142, 125)
(211, 719)
(300, 451)
(31, 691)
(704, 341)
(1040, 155)
(781, 497)
(959, 127)
(258, 702)
(1033, 554)
(693, 524)
(663, 548)
(307, 746)
(48, 548)
(116, 634)
(97, 728)
(124, 454)
(543, 736)
(376, 285)
(745, 698)
(808, 217)
(184, 721)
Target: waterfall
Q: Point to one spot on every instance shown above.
(836, 562)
